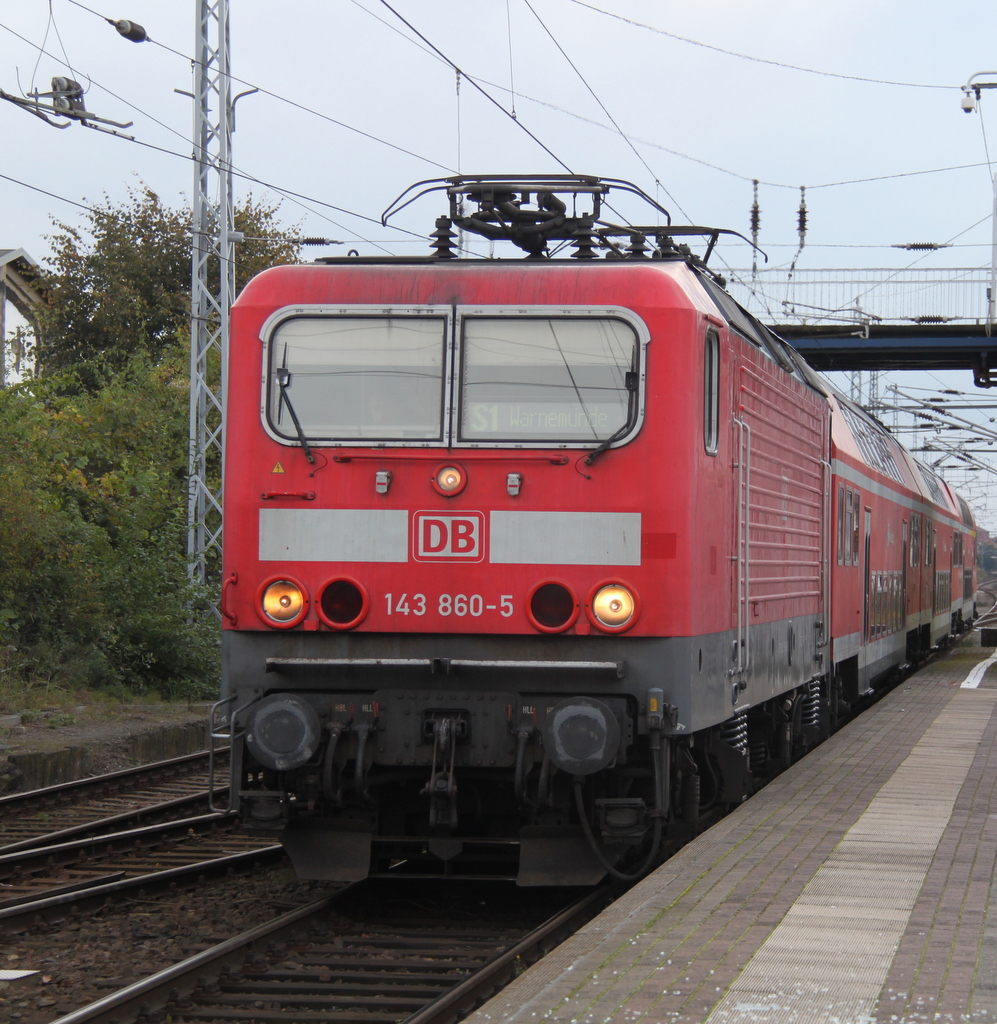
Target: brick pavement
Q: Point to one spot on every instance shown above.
(672, 947)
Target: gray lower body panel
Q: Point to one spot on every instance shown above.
(698, 675)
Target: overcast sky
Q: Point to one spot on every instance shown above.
(354, 107)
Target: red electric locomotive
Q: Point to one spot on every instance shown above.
(529, 563)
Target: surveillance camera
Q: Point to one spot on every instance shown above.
(968, 100)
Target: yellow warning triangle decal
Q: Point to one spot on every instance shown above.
(277, 469)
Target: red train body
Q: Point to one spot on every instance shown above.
(530, 564)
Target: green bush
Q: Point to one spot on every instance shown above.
(94, 591)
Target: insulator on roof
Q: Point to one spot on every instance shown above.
(444, 239)
(637, 249)
(583, 241)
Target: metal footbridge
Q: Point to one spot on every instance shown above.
(878, 319)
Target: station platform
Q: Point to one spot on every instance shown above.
(855, 888)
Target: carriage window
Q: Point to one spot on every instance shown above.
(855, 529)
(358, 377)
(848, 526)
(711, 393)
(548, 378)
(841, 523)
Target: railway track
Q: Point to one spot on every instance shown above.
(364, 954)
(133, 858)
(145, 844)
(175, 788)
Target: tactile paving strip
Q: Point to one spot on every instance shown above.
(838, 969)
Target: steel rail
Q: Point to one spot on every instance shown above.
(132, 996)
(182, 978)
(88, 829)
(12, 918)
(31, 856)
(497, 973)
(12, 800)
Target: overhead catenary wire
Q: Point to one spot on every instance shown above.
(603, 107)
(484, 92)
(479, 81)
(759, 60)
(294, 196)
(82, 206)
(261, 89)
(512, 77)
(290, 194)
(51, 24)
(45, 192)
(442, 58)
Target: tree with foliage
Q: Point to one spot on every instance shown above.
(120, 285)
(94, 587)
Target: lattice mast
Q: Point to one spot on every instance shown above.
(213, 245)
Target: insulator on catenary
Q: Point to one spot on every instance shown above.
(922, 246)
(801, 223)
(131, 30)
(756, 214)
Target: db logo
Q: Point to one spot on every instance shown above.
(451, 537)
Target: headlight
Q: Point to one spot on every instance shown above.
(283, 732)
(282, 602)
(449, 480)
(613, 606)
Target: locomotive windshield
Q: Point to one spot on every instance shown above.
(546, 378)
(520, 378)
(359, 377)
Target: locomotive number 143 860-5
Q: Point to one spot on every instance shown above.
(448, 604)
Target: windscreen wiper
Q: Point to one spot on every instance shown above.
(631, 383)
(612, 439)
(284, 382)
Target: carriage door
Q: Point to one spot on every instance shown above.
(902, 623)
(868, 574)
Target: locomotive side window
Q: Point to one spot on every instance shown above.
(358, 377)
(855, 529)
(547, 378)
(711, 396)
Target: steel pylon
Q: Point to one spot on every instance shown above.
(213, 251)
